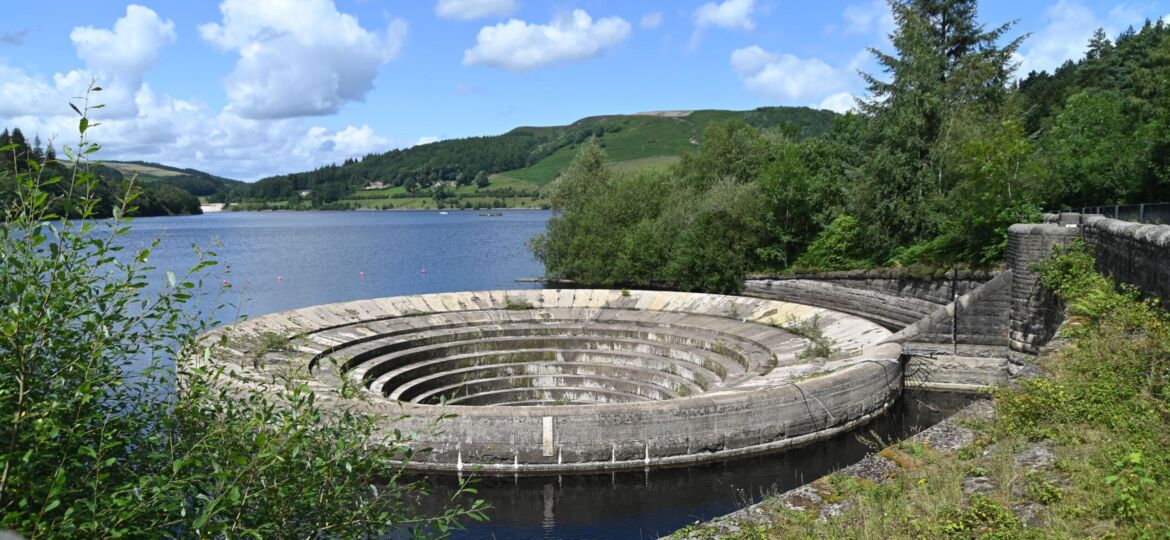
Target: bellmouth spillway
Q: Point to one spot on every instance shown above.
(577, 380)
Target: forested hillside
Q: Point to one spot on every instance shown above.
(195, 182)
(154, 198)
(948, 150)
(531, 155)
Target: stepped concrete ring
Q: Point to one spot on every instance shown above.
(577, 380)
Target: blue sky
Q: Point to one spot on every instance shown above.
(251, 88)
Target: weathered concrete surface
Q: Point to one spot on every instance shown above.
(574, 380)
(966, 371)
(892, 298)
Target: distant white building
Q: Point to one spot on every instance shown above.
(376, 184)
(305, 193)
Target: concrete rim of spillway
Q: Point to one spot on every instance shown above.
(575, 380)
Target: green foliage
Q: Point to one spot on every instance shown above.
(983, 518)
(820, 345)
(517, 304)
(840, 246)
(1093, 149)
(115, 424)
(650, 228)
(152, 199)
(1111, 384)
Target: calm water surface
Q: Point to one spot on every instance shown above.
(275, 261)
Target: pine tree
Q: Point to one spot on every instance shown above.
(1099, 45)
(945, 66)
(37, 152)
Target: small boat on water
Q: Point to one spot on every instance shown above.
(442, 213)
(492, 214)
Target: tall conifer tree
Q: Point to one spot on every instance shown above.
(945, 66)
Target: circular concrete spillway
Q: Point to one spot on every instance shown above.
(577, 380)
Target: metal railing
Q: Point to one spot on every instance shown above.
(1158, 213)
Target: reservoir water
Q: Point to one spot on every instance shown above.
(275, 261)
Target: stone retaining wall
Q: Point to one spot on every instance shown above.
(1132, 253)
(892, 298)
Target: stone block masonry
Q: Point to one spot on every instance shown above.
(1036, 313)
(1135, 254)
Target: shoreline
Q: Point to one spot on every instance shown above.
(229, 210)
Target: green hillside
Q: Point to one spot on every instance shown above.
(642, 137)
(206, 186)
(512, 167)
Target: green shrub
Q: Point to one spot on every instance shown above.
(840, 246)
(114, 424)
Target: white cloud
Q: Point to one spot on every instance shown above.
(466, 10)
(1069, 26)
(784, 77)
(299, 57)
(841, 102)
(190, 134)
(520, 46)
(119, 57)
(140, 124)
(870, 17)
(426, 139)
(731, 14)
(651, 20)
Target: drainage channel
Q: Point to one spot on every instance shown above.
(654, 503)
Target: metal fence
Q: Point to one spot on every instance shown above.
(1158, 213)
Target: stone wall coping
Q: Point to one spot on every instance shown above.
(876, 273)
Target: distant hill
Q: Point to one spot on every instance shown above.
(641, 137)
(524, 159)
(198, 183)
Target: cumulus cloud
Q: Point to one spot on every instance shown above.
(119, 57)
(299, 57)
(733, 14)
(139, 123)
(130, 48)
(427, 139)
(1068, 27)
(521, 46)
(466, 10)
(784, 77)
(841, 102)
(188, 133)
(651, 20)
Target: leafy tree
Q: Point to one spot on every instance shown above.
(1094, 150)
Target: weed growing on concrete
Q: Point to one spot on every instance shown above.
(517, 304)
(820, 345)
